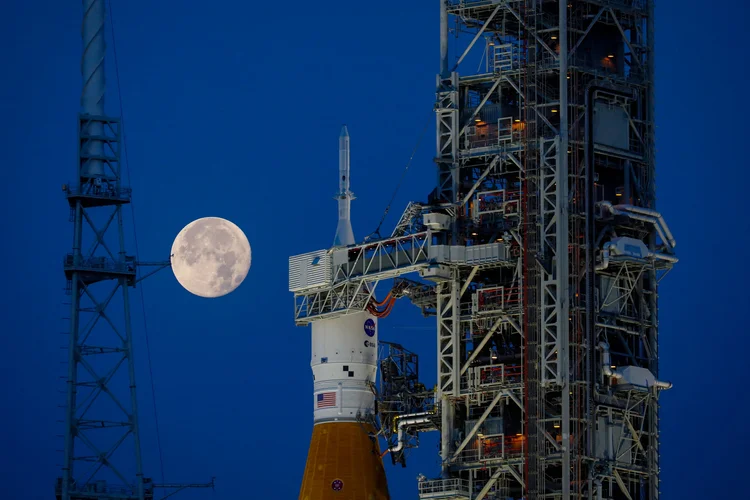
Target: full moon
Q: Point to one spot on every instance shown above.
(210, 257)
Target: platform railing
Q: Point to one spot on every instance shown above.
(444, 488)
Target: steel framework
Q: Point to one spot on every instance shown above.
(99, 273)
(547, 345)
(561, 112)
(102, 450)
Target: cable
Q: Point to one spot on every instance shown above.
(403, 175)
(135, 239)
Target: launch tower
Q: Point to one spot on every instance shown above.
(540, 252)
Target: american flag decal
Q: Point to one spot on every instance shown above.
(326, 400)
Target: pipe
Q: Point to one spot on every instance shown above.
(663, 256)
(651, 220)
(605, 257)
(662, 384)
(607, 362)
(414, 418)
(651, 213)
(644, 215)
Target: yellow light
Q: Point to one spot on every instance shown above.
(473, 234)
(554, 111)
(613, 366)
(554, 37)
(517, 120)
(556, 426)
(611, 56)
(618, 194)
(477, 119)
(519, 434)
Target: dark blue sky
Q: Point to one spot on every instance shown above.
(234, 111)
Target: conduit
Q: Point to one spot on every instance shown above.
(607, 369)
(404, 421)
(651, 213)
(644, 215)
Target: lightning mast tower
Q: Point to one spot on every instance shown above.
(102, 450)
(98, 419)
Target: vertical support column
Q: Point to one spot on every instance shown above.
(449, 346)
(562, 270)
(650, 116)
(72, 382)
(131, 366)
(443, 39)
(449, 362)
(653, 300)
(92, 71)
(448, 129)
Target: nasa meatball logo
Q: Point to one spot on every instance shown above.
(370, 327)
(337, 485)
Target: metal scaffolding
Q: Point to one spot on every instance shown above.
(545, 251)
(98, 421)
(561, 112)
(102, 450)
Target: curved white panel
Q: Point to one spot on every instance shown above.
(344, 365)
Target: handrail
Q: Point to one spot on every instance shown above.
(109, 192)
(96, 263)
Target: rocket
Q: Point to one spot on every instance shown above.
(344, 461)
(344, 234)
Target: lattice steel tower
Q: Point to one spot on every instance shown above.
(545, 249)
(102, 451)
(98, 419)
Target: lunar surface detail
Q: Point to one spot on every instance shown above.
(210, 257)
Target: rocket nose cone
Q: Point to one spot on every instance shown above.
(344, 132)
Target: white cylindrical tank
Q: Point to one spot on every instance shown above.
(344, 366)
